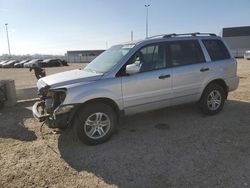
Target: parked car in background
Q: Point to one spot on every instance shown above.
(247, 54)
(21, 63)
(3, 62)
(65, 63)
(51, 63)
(32, 63)
(135, 77)
(9, 64)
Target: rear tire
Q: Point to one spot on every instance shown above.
(213, 99)
(95, 123)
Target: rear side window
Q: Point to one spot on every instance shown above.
(184, 53)
(216, 49)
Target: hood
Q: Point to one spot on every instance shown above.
(67, 78)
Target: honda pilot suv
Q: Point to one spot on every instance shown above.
(134, 77)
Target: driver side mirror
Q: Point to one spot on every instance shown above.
(132, 69)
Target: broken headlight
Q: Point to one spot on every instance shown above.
(54, 99)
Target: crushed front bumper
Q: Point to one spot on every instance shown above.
(60, 121)
(39, 114)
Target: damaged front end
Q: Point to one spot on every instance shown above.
(50, 108)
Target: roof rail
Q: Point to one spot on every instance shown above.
(181, 34)
(187, 34)
(156, 36)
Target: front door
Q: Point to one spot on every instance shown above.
(150, 88)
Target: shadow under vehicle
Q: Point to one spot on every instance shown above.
(193, 151)
(12, 122)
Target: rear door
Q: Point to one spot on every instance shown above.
(151, 87)
(189, 69)
(222, 65)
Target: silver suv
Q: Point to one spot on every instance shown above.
(134, 77)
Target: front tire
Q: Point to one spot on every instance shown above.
(213, 99)
(95, 123)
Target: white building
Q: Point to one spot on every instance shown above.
(238, 39)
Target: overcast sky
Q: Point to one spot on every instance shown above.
(55, 26)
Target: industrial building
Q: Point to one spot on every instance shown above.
(82, 56)
(238, 39)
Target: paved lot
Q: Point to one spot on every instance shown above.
(25, 81)
(173, 147)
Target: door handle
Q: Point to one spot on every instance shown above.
(164, 76)
(204, 69)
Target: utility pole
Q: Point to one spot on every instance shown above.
(6, 26)
(147, 6)
(132, 36)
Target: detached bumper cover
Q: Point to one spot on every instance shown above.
(37, 114)
(61, 120)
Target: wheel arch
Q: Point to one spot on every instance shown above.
(217, 81)
(104, 100)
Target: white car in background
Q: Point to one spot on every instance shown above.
(32, 63)
(247, 54)
(3, 62)
(21, 63)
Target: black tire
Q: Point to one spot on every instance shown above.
(85, 113)
(206, 98)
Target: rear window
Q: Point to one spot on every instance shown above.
(184, 53)
(216, 49)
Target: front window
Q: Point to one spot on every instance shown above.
(108, 59)
(149, 58)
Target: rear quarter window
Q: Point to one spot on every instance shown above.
(216, 49)
(184, 53)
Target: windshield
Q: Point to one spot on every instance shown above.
(108, 59)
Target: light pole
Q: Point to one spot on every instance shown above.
(147, 5)
(6, 26)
